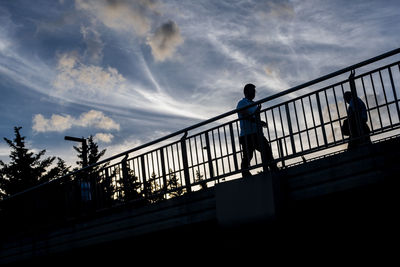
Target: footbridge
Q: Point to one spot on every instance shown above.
(184, 193)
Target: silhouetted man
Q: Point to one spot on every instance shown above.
(357, 134)
(251, 135)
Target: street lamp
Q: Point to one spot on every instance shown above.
(84, 148)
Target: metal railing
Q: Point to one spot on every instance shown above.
(304, 121)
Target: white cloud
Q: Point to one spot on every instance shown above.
(121, 15)
(85, 80)
(96, 119)
(4, 150)
(60, 123)
(104, 137)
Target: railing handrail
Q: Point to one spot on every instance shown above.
(216, 118)
(268, 98)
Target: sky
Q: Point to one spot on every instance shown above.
(130, 71)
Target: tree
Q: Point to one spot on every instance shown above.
(155, 192)
(26, 169)
(199, 179)
(131, 185)
(174, 184)
(91, 179)
(93, 153)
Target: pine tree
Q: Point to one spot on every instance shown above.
(154, 188)
(131, 186)
(26, 169)
(199, 179)
(174, 184)
(91, 180)
(93, 153)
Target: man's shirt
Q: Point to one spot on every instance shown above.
(361, 109)
(247, 126)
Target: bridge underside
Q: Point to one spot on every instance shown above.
(334, 204)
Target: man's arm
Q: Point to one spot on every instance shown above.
(252, 117)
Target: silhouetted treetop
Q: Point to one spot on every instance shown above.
(26, 168)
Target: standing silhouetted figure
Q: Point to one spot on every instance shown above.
(357, 118)
(251, 136)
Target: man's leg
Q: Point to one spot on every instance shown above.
(248, 150)
(268, 154)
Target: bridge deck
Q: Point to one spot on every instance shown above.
(355, 186)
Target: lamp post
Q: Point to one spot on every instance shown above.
(84, 148)
(85, 184)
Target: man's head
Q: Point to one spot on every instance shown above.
(249, 91)
(347, 96)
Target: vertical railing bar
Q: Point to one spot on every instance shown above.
(185, 164)
(148, 168)
(394, 93)
(202, 152)
(280, 148)
(386, 101)
(298, 126)
(173, 160)
(238, 135)
(376, 100)
(341, 85)
(273, 120)
(209, 158)
(149, 174)
(283, 130)
(321, 120)
(306, 123)
(164, 174)
(145, 185)
(191, 158)
(180, 168)
(152, 163)
(167, 154)
(337, 111)
(330, 117)
(289, 122)
(313, 119)
(197, 154)
(215, 153)
(159, 170)
(227, 150)
(220, 148)
(266, 120)
(125, 174)
(366, 102)
(233, 143)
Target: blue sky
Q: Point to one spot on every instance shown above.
(129, 71)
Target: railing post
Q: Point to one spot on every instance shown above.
(185, 163)
(356, 109)
(125, 173)
(235, 162)
(210, 165)
(145, 185)
(124, 167)
(321, 119)
(260, 137)
(396, 100)
(280, 151)
(290, 128)
(164, 174)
